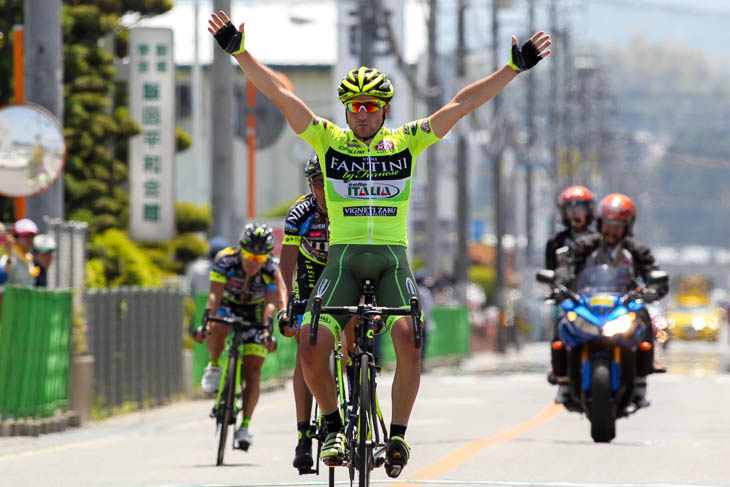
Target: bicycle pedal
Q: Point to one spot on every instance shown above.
(306, 471)
(242, 446)
(379, 462)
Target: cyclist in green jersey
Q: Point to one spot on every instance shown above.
(367, 171)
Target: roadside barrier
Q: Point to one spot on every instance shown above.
(135, 336)
(35, 336)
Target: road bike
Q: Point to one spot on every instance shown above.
(295, 308)
(365, 429)
(225, 409)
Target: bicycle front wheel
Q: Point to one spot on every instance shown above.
(363, 423)
(228, 404)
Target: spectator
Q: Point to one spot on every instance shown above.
(43, 247)
(197, 277)
(20, 260)
(6, 241)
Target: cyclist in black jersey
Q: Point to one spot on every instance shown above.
(306, 241)
(244, 282)
(367, 174)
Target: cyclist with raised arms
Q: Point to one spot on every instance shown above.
(244, 282)
(306, 240)
(367, 174)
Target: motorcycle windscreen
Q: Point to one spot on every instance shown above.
(605, 279)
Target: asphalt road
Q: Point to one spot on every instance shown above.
(489, 421)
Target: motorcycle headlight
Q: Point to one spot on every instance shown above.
(622, 324)
(586, 326)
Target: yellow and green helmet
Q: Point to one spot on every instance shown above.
(365, 81)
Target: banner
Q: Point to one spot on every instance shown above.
(151, 153)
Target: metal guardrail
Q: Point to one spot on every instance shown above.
(135, 336)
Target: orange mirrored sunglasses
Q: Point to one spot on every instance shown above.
(254, 257)
(368, 106)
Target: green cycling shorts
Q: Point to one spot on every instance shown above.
(347, 268)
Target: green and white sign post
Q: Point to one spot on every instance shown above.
(151, 153)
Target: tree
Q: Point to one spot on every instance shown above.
(96, 121)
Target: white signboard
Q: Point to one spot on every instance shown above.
(151, 153)
(348, 57)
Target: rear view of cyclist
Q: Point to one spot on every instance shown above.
(306, 241)
(243, 285)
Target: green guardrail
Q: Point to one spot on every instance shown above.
(35, 336)
(448, 336)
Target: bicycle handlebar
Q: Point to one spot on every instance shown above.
(240, 323)
(366, 310)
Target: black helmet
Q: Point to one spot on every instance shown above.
(312, 168)
(257, 238)
(365, 81)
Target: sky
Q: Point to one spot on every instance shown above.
(276, 38)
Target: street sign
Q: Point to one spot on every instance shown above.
(152, 152)
(32, 150)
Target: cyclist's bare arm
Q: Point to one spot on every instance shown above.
(287, 264)
(479, 92)
(279, 297)
(214, 297)
(295, 111)
(270, 300)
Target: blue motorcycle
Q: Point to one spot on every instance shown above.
(603, 335)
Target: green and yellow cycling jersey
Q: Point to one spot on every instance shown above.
(368, 188)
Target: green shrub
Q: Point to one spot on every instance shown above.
(123, 263)
(192, 218)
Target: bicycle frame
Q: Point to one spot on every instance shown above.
(365, 428)
(225, 410)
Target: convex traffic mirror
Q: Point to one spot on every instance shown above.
(32, 150)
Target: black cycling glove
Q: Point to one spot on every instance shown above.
(230, 39)
(525, 57)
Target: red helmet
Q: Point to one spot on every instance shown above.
(573, 196)
(617, 208)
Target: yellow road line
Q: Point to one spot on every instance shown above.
(471, 449)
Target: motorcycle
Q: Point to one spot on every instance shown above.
(603, 338)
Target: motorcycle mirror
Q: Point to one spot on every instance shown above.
(658, 278)
(545, 276)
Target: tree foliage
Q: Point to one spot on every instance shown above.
(97, 125)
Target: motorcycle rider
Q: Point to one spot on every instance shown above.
(576, 212)
(614, 245)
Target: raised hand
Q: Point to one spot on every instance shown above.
(531, 52)
(228, 37)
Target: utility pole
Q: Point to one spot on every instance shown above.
(497, 178)
(432, 172)
(221, 177)
(553, 117)
(367, 33)
(531, 140)
(44, 87)
(461, 263)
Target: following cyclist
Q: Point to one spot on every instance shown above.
(614, 245)
(367, 174)
(243, 285)
(306, 240)
(576, 212)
